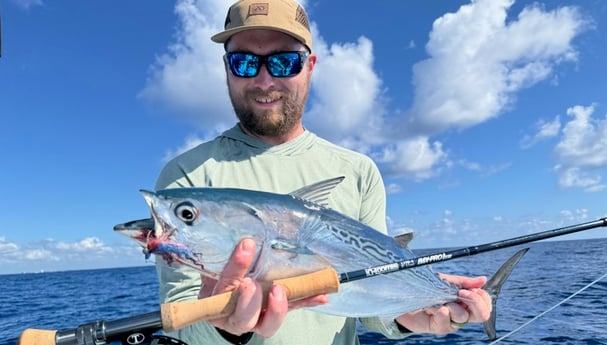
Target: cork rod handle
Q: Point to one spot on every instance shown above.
(181, 314)
(177, 315)
(37, 337)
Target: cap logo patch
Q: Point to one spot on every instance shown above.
(260, 8)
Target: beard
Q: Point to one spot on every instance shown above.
(272, 122)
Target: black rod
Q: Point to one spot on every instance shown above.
(151, 322)
(102, 331)
(457, 253)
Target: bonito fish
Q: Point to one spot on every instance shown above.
(295, 234)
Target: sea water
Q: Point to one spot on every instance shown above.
(549, 273)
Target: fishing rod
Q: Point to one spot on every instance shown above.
(137, 330)
(468, 251)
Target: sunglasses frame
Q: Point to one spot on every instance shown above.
(265, 60)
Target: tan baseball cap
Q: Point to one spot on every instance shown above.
(281, 15)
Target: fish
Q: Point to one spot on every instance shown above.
(295, 234)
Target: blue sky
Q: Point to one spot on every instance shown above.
(486, 118)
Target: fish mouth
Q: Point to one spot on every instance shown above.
(140, 230)
(155, 236)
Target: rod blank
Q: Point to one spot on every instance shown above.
(468, 251)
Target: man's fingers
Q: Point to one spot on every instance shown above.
(309, 302)
(237, 267)
(458, 315)
(477, 303)
(248, 309)
(440, 320)
(465, 282)
(235, 270)
(274, 314)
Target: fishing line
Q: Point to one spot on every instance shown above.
(548, 310)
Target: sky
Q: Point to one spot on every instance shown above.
(486, 118)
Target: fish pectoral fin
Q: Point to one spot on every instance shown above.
(318, 193)
(494, 286)
(286, 246)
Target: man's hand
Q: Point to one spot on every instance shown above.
(249, 315)
(474, 306)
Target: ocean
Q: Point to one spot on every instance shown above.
(550, 273)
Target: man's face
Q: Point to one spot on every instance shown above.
(268, 106)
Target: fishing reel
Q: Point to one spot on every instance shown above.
(135, 330)
(150, 339)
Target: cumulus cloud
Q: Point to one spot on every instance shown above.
(90, 252)
(415, 157)
(478, 62)
(582, 150)
(346, 95)
(479, 58)
(7, 247)
(190, 76)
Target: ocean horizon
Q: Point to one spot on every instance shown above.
(550, 273)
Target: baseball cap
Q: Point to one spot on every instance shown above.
(286, 16)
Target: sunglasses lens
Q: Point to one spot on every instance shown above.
(280, 65)
(284, 64)
(244, 65)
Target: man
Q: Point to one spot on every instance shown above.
(269, 64)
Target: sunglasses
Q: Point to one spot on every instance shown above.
(279, 65)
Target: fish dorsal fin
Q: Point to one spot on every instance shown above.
(318, 192)
(403, 240)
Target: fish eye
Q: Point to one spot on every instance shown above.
(186, 212)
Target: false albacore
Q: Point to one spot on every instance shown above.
(295, 234)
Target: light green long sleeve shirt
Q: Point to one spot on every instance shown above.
(237, 160)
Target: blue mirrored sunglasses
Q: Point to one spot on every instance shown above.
(279, 65)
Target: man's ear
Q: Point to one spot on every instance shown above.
(312, 61)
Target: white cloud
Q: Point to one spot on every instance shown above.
(6, 247)
(578, 215)
(544, 130)
(393, 188)
(582, 150)
(346, 94)
(576, 177)
(39, 254)
(415, 157)
(49, 254)
(584, 141)
(190, 142)
(92, 245)
(478, 61)
(190, 76)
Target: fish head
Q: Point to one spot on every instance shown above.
(184, 229)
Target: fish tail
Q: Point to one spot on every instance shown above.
(494, 286)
